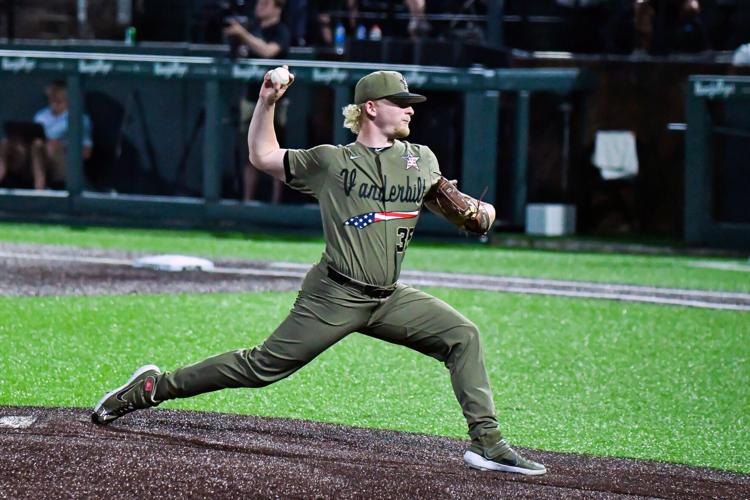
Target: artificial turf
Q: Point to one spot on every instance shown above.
(586, 376)
(665, 271)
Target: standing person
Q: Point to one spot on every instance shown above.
(45, 157)
(370, 194)
(267, 37)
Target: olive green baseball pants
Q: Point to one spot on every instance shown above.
(326, 312)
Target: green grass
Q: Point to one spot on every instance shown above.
(672, 271)
(586, 376)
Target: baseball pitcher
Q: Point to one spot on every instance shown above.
(370, 193)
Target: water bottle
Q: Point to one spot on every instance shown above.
(375, 33)
(361, 32)
(339, 38)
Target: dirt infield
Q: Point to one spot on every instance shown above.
(180, 454)
(36, 270)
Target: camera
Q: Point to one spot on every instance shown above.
(215, 16)
(234, 10)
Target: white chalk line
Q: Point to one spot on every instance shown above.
(561, 288)
(724, 266)
(604, 287)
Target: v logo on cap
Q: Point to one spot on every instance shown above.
(385, 84)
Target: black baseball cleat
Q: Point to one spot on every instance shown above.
(491, 452)
(137, 393)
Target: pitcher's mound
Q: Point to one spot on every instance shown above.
(58, 452)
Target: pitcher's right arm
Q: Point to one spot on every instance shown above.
(265, 153)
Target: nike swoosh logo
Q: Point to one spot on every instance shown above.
(120, 395)
(354, 157)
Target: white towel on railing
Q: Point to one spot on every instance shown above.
(615, 154)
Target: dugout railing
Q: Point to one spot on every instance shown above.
(717, 161)
(481, 88)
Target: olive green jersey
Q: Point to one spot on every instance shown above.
(369, 202)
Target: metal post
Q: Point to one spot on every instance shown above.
(342, 95)
(300, 96)
(521, 158)
(698, 182)
(479, 161)
(211, 150)
(73, 156)
(567, 108)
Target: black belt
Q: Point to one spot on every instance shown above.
(376, 292)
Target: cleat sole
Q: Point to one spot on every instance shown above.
(476, 461)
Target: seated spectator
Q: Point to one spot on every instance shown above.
(266, 37)
(41, 162)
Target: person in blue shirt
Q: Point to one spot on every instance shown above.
(46, 157)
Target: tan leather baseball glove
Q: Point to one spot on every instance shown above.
(460, 209)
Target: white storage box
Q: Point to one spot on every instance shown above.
(550, 219)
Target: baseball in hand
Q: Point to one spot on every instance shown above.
(280, 76)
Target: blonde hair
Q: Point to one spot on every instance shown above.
(353, 117)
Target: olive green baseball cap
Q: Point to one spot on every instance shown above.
(389, 85)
